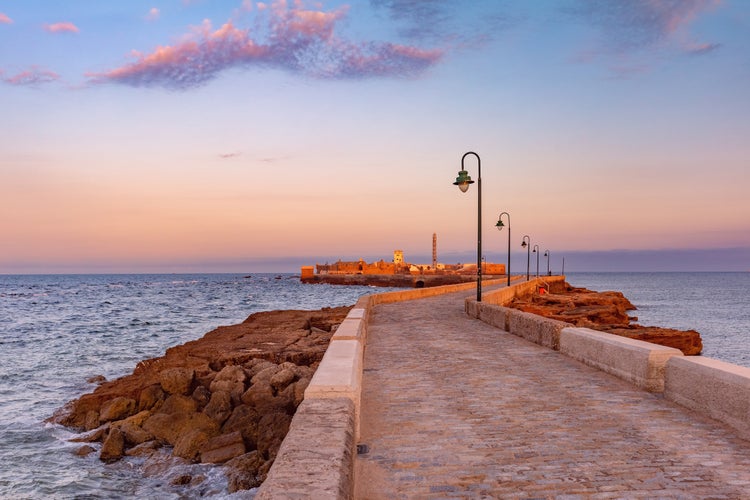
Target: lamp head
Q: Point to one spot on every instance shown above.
(546, 253)
(523, 244)
(463, 180)
(500, 224)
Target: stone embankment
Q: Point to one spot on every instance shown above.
(603, 311)
(227, 398)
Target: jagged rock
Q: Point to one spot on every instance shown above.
(96, 379)
(223, 448)
(274, 341)
(144, 449)
(264, 376)
(604, 311)
(281, 379)
(91, 437)
(134, 434)
(272, 428)
(84, 451)
(220, 406)
(169, 427)
(177, 380)
(92, 420)
(177, 403)
(150, 397)
(113, 447)
(202, 396)
(244, 419)
(259, 395)
(189, 445)
(247, 471)
(117, 409)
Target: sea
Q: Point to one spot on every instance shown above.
(58, 331)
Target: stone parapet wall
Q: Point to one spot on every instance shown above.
(711, 387)
(640, 363)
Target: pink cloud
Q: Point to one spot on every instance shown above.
(153, 14)
(31, 77)
(65, 27)
(644, 24)
(298, 40)
(4, 19)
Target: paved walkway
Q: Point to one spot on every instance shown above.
(454, 408)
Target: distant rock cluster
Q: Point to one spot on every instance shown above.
(227, 398)
(607, 312)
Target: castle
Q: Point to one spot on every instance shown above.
(399, 267)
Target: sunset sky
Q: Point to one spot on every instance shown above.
(197, 135)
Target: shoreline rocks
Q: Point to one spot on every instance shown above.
(607, 312)
(227, 398)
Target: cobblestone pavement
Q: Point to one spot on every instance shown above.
(454, 408)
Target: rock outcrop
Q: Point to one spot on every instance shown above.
(607, 312)
(227, 398)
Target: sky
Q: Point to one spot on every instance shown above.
(244, 136)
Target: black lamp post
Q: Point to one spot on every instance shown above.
(462, 181)
(547, 254)
(536, 251)
(499, 227)
(526, 243)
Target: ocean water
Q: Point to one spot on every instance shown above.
(57, 331)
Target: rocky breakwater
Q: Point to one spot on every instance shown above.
(227, 398)
(606, 312)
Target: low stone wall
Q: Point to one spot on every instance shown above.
(711, 387)
(638, 362)
(316, 459)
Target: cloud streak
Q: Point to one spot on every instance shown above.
(4, 19)
(636, 25)
(32, 77)
(297, 40)
(64, 27)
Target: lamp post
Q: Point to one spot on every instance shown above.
(499, 227)
(526, 243)
(536, 251)
(547, 254)
(462, 181)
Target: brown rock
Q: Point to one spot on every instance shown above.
(202, 396)
(220, 406)
(189, 444)
(177, 380)
(117, 409)
(96, 379)
(272, 429)
(281, 379)
(259, 395)
(133, 433)
(177, 403)
(113, 447)
(255, 366)
(275, 336)
(85, 451)
(264, 376)
(150, 397)
(299, 390)
(91, 437)
(92, 420)
(223, 448)
(143, 449)
(246, 471)
(604, 311)
(244, 419)
(169, 427)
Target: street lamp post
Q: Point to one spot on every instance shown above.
(462, 181)
(526, 243)
(547, 254)
(536, 251)
(499, 227)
